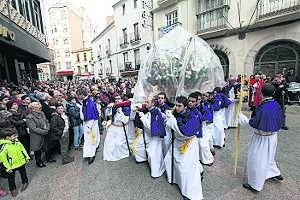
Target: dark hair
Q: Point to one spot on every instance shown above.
(82, 91)
(183, 100)
(59, 105)
(218, 89)
(268, 90)
(53, 102)
(193, 95)
(9, 104)
(6, 132)
(162, 93)
(24, 97)
(198, 93)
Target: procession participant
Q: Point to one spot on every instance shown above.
(162, 98)
(204, 150)
(182, 159)
(231, 91)
(116, 144)
(154, 131)
(218, 119)
(257, 86)
(89, 115)
(206, 110)
(225, 102)
(266, 122)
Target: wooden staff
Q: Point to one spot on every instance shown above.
(238, 130)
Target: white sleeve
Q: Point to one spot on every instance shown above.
(243, 119)
(121, 117)
(108, 112)
(146, 119)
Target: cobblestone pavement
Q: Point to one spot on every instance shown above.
(125, 179)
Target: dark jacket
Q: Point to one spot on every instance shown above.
(57, 126)
(38, 128)
(74, 114)
(17, 119)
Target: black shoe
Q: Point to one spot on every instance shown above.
(279, 178)
(24, 187)
(247, 186)
(51, 161)
(91, 160)
(217, 147)
(285, 128)
(40, 165)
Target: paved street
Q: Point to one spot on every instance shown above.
(127, 180)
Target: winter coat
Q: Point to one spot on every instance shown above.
(38, 128)
(17, 119)
(74, 114)
(12, 154)
(57, 126)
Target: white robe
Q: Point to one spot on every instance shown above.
(218, 133)
(230, 112)
(206, 144)
(115, 144)
(91, 136)
(187, 168)
(130, 130)
(154, 148)
(261, 164)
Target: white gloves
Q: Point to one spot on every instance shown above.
(243, 119)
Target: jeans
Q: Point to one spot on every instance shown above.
(78, 133)
(64, 145)
(38, 157)
(11, 177)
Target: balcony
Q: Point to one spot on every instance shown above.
(129, 70)
(166, 29)
(212, 19)
(268, 8)
(124, 44)
(11, 13)
(165, 3)
(135, 39)
(108, 52)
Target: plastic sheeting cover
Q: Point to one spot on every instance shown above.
(178, 64)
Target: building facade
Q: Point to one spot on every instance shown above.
(82, 59)
(22, 40)
(248, 36)
(69, 30)
(122, 46)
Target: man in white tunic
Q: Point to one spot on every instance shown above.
(182, 159)
(266, 121)
(154, 131)
(89, 115)
(231, 91)
(116, 144)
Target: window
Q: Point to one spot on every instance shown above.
(135, 3)
(36, 11)
(123, 7)
(27, 11)
(137, 60)
(13, 3)
(84, 57)
(108, 42)
(125, 36)
(57, 53)
(212, 14)
(110, 66)
(68, 65)
(125, 58)
(172, 18)
(66, 41)
(86, 68)
(65, 29)
(78, 70)
(67, 53)
(78, 57)
(136, 31)
(21, 7)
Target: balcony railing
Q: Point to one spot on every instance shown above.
(124, 44)
(163, 3)
(211, 19)
(166, 29)
(135, 39)
(11, 13)
(269, 8)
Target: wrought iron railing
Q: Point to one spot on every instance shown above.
(269, 8)
(11, 13)
(166, 29)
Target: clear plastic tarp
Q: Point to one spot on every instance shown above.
(178, 64)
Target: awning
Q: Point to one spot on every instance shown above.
(65, 72)
(85, 76)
